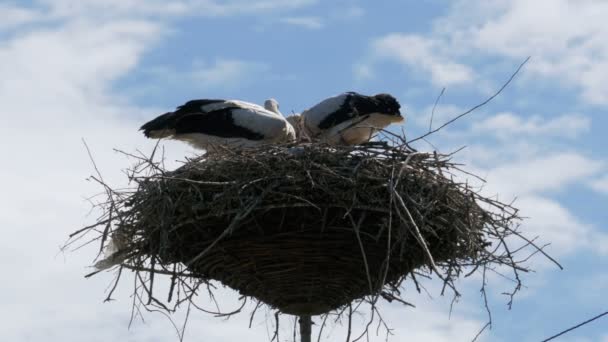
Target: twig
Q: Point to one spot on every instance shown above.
(433, 110)
(350, 322)
(403, 206)
(322, 326)
(475, 107)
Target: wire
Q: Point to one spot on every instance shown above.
(576, 326)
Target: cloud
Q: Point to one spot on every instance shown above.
(101, 9)
(311, 23)
(353, 12)
(80, 60)
(54, 102)
(529, 28)
(577, 58)
(246, 6)
(600, 185)
(222, 73)
(116, 9)
(318, 22)
(227, 72)
(49, 104)
(56, 89)
(531, 179)
(508, 125)
(541, 174)
(508, 137)
(442, 114)
(434, 323)
(555, 224)
(422, 54)
(522, 164)
(13, 16)
(363, 71)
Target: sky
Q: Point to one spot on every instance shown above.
(97, 69)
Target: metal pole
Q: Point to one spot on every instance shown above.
(305, 328)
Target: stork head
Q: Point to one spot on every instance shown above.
(272, 105)
(388, 105)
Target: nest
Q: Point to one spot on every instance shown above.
(305, 229)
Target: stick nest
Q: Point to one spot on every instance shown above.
(305, 229)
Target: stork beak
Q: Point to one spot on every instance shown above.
(397, 118)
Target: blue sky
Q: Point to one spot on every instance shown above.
(98, 69)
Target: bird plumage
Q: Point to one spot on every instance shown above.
(210, 122)
(349, 118)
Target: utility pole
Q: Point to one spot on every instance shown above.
(305, 328)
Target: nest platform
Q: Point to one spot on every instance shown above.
(306, 229)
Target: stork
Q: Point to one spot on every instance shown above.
(209, 123)
(347, 119)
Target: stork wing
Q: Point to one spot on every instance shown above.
(331, 111)
(220, 118)
(219, 123)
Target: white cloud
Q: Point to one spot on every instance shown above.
(55, 90)
(353, 12)
(441, 114)
(431, 315)
(318, 22)
(531, 180)
(530, 183)
(556, 225)
(55, 81)
(223, 73)
(419, 53)
(246, 6)
(197, 8)
(600, 185)
(49, 104)
(568, 41)
(227, 71)
(363, 71)
(599, 242)
(311, 23)
(101, 9)
(541, 174)
(521, 165)
(509, 125)
(12, 16)
(577, 57)
(433, 323)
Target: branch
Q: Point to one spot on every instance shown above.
(476, 107)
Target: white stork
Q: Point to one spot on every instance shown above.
(206, 124)
(347, 119)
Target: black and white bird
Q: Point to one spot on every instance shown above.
(210, 123)
(347, 119)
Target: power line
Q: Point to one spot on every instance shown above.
(576, 326)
